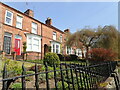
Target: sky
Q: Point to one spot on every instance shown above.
(72, 15)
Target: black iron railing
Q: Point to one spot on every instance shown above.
(66, 76)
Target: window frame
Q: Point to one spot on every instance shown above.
(19, 22)
(9, 17)
(33, 29)
(33, 37)
(61, 38)
(54, 35)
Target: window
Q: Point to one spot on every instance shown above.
(8, 17)
(34, 28)
(36, 44)
(55, 47)
(19, 22)
(60, 38)
(7, 43)
(54, 35)
(29, 43)
(33, 43)
(69, 50)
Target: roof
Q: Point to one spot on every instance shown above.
(33, 18)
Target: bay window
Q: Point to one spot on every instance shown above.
(33, 43)
(55, 47)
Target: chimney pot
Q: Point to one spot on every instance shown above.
(67, 30)
(48, 21)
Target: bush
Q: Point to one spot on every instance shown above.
(71, 57)
(67, 58)
(61, 57)
(16, 86)
(51, 58)
(101, 54)
(13, 66)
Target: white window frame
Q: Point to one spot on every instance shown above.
(19, 21)
(9, 17)
(54, 35)
(61, 38)
(54, 50)
(34, 29)
(32, 42)
(69, 50)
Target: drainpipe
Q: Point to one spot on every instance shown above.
(41, 42)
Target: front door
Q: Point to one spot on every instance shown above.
(17, 46)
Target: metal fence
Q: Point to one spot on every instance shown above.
(65, 76)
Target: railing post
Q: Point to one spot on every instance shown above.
(71, 71)
(23, 78)
(54, 66)
(81, 76)
(77, 77)
(62, 77)
(67, 72)
(47, 81)
(36, 77)
(4, 76)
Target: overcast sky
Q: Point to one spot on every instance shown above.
(73, 15)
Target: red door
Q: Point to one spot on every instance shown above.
(17, 46)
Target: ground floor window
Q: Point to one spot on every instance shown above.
(33, 43)
(55, 47)
(69, 50)
(79, 52)
(7, 43)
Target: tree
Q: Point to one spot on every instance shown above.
(86, 37)
(109, 38)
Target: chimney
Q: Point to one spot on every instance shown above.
(48, 21)
(29, 13)
(67, 30)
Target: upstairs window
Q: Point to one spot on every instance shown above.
(34, 28)
(19, 22)
(60, 38)
(54, 35)
(8, 17)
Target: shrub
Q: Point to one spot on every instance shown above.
(51, 58)
(101, 54)
(67, 58)
(16, 86)
(14, 67)
(71, 57)
(61, 57)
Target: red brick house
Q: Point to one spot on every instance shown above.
(17, 27)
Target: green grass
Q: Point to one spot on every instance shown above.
(35, 61)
